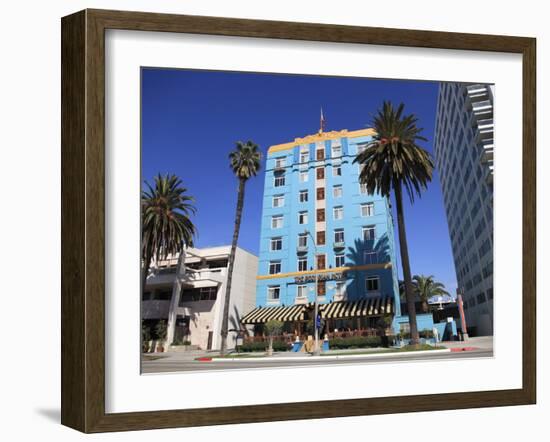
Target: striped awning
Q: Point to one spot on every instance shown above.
(263, 314)
(363, 307)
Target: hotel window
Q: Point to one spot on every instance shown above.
(338, 212)
(320, 215)
(320, 154)
(208, 293)
(368, 233)
(302, 218)
(373, 284)
(276, 244)
(320, 193)
(340, 260)
(370, 257)
(321, 238)
(367, 209)
(339, 236)
(363, 188)
(303, 196)
(337, 170)
(320, 171)
(274, 267)
(337, 191)
(273, 293)
(302, 240)
(321, 288)
(321, 262)
(301, 291)
(277, 221)
(336, 151)
(303, 176)
(340, 288)
(279, 179)
(304, 156)
(280, 163)
(278, 201)
(302, 264)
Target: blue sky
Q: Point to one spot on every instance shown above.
(192, 119)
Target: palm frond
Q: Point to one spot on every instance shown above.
(394, 157)
(245, 159)
(165, 215)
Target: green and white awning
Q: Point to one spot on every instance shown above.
(263, 314)
(335, 310)
(361, 308)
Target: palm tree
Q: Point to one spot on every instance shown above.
(391, 161)
(166, 227)
(245, 163)
(426, 287)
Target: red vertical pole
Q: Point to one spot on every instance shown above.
(462, 317)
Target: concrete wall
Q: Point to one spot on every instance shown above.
(206, 316)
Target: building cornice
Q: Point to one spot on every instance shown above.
(322, 136)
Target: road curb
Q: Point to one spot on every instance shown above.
(325, 358)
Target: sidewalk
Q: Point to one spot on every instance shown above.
(480, 342)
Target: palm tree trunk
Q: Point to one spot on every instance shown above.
(409, 292)
(238, 215)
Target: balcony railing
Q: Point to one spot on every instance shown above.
(302, 248)
(339, 244)
(215, 274)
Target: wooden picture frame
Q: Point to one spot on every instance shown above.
(83, 220)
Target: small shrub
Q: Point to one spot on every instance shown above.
(161, 330)
(253, 346)
(405, 335)
(145, 332)
(356, 342)
(426, 334)
(260, 346)
(179, 341)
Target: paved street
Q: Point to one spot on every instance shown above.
(185, 361)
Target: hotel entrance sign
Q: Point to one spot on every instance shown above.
(320, 277)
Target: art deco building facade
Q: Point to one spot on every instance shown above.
(464, 157)
(318, 221)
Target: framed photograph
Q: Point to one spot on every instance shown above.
(266, 221)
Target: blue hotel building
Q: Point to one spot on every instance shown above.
(312, 192)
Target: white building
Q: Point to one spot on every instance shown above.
(189, 294)
(464, 145)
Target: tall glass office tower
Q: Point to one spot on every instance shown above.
(464, 148)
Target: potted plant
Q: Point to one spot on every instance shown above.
(272, 328)
(161, 331)
(145, 337)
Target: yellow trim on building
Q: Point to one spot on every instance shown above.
(322, 136)
(386, 265)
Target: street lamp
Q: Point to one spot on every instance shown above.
(316, 350)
